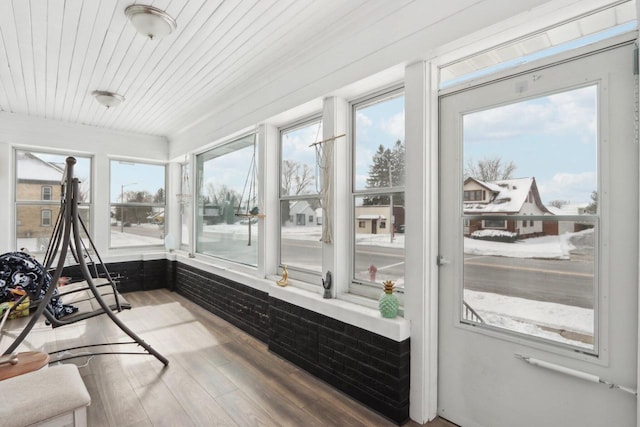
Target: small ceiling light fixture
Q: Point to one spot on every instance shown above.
(108, 99)
(150, 21)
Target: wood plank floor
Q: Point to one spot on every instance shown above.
(217, 376)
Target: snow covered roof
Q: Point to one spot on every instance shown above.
(508, 196)
(568, 209)
(30, 167)
(300, 206)
(371, 216)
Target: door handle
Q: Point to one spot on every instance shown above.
(440, 261)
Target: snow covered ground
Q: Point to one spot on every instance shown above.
(532, 317)
(548, 247)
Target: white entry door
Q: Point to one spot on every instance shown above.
(539, 225)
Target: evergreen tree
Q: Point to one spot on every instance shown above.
(387, 170)
(397, 164)
(159, 197)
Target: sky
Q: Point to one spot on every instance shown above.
(135, 177)
(296, 147)
(82, 168)
(233, 169)
(379, 123)
(552, 138)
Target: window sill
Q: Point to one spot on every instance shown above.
(345, 311)
(125, 256)
(349, 312)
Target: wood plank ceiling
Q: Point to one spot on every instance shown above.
(54, 53)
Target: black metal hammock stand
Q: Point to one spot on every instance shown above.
(94, 296)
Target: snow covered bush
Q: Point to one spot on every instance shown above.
(495, 235)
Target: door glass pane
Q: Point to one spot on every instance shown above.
(530, 217)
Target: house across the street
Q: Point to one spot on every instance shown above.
(505, 197)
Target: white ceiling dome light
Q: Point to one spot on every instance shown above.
(108, 99)
(150, 21)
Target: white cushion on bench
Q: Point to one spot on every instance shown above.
(42, 395)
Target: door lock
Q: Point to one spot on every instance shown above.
(440, 261)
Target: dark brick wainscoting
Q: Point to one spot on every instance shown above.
(240, 305)
(134, 275)
(369, 367)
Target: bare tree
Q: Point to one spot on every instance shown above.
(593, 206)
(490, 169)
(296, 178)
(218, 194)
(558, 203)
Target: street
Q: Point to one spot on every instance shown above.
(567, 282)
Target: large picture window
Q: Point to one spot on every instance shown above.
(300, 202)
(37, 195)
(378, 191)
(227, 196)
(137, 204)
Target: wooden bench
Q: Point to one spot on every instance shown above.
(49, 397)
(21, 363)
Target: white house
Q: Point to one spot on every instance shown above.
(301, 214)
(504, 197)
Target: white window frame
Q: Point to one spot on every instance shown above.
(44, 195)
(45, 220)
(357, 287)
(45, 204)
(220, 261)
(135, 205)
(304, 275)
(186, 209)
(502, 227)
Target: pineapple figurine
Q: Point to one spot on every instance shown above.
(388, 302)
